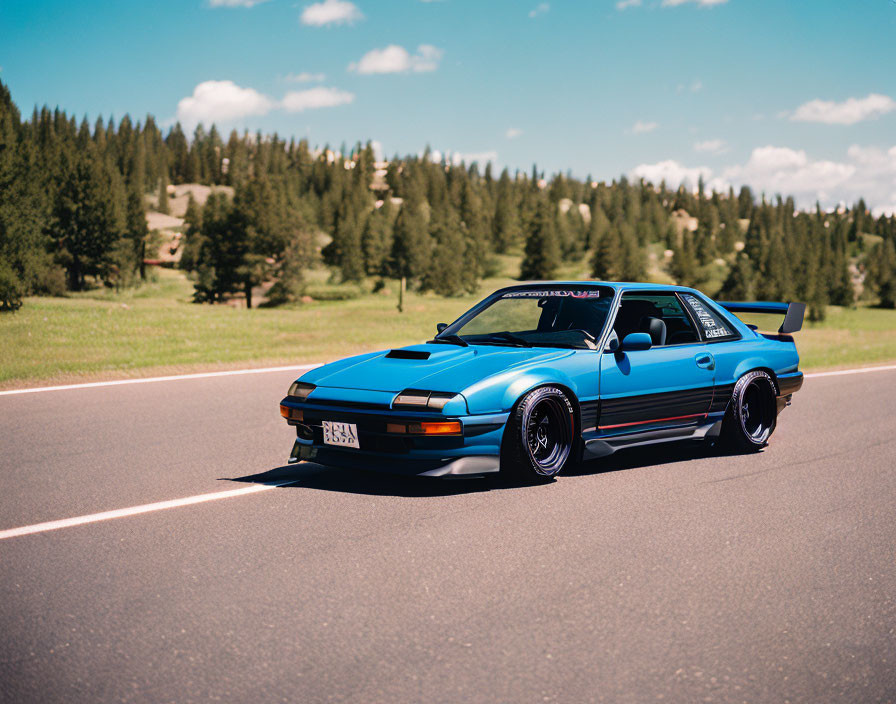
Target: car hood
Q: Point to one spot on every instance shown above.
(433, 367)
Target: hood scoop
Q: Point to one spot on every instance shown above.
(407, 354)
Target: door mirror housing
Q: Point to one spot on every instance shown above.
(440, 327)
(636, 342)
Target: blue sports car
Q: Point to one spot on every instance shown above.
(538, 377)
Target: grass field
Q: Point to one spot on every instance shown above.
(155, 329)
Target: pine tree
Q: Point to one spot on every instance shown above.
(162, 206)
(137, 231)
(87, 219)
(542, 253)
(684, 261)
(192, 236)
(633, 261)
(740, 284)
(506, 230)
(376, 239)
(882, 273)
(607, 262)
(411, 246)
(446, 273)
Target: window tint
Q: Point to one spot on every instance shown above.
(715, 327)
(658, 314)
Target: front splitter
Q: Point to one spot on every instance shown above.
(472, 465)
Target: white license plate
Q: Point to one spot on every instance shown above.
(343, 434)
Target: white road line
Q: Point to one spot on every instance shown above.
(843, 372)
(121, 382)
(137, 510)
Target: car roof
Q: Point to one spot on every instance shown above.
(616, 285)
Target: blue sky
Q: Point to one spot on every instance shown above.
(790, 96)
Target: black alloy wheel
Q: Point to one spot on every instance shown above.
(540, 436)
(752, 413)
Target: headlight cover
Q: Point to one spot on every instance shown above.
(301, 389)
(420, 400)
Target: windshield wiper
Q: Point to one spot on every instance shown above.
(451, 340)
(510, 337)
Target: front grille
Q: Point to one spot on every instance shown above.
(311, 401)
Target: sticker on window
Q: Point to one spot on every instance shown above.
(713, 326)
(588, 293)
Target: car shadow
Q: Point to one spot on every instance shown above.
(307, 475)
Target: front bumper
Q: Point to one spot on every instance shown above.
(476, 450)
(409, 466)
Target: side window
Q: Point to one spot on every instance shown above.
(715, 327)
(658, 314)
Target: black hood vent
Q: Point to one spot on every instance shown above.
(407, 354)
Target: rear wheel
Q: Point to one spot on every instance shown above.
(540, 438)
(752, 413)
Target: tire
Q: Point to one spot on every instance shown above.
(752, 413)
(540, 439)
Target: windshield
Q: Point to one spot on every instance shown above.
(551, 317)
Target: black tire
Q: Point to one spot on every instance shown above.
(752, 413)
(540, 438)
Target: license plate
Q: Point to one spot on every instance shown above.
(343, 434)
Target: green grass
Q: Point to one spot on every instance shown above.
(847, 337)
(156, 329)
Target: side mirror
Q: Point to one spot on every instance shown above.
(636, 342)
(440, 327)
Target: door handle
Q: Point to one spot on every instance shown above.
(705, 361)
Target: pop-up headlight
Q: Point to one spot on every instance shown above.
(301, 389)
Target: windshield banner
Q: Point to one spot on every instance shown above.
(585, 293)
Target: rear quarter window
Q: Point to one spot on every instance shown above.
(712, 325)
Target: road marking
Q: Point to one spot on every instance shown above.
(843, 372)
(121, 382)
(137, 510)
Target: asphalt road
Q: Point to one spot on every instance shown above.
(673, 575)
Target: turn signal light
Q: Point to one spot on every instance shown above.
(291, 413)
(440, 428)
(452, 427)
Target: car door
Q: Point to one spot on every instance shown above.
(670, 384)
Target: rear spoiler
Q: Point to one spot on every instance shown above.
(793, 312)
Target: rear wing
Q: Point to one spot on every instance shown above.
(793, 312)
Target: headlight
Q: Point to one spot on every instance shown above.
(301, 389)
(419, 400)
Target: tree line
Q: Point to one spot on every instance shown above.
(73, 195)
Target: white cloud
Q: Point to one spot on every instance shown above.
(234, 3)
(313, 98)
(672, 173)
(868, 172)
(539, 9)
(397, 59)
(849, 112)
(513, 133)
(625, 4)
(331, 12)
(221, 101)
(305, 77)
(711, 146)
(694, 87)
(701, 3)
(641, 127)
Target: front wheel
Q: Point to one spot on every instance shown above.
(540, 438)
(752, 413)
